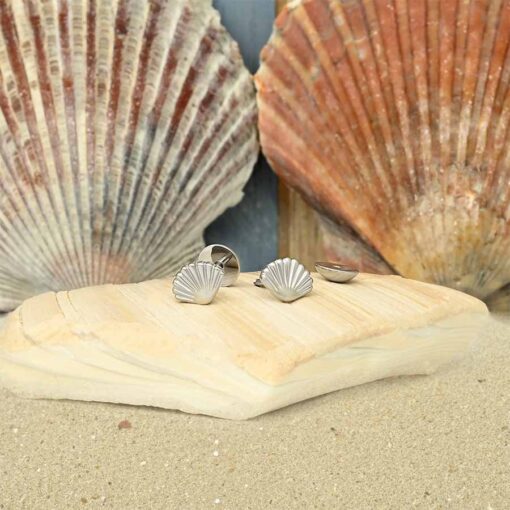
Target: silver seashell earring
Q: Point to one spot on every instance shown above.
(336, 272)
(198, 282)
(287, 279)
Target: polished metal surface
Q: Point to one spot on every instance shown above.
(336, 272)
(226, 259)
(197, 283)
(287, 279)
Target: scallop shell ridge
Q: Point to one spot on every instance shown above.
(287, 279)
(393, 119)
(125, 129)
(197, 282)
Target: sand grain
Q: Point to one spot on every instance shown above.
(441, 441)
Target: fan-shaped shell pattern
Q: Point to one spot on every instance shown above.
(287, 279)
(392, 116)
(126, 127)
(198, 282)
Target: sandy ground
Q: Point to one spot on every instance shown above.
(441, 441)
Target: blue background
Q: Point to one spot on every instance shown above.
(250, 228)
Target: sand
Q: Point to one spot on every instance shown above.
(440, 441)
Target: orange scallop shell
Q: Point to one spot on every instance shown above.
(391, 118)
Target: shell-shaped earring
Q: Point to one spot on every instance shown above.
(198, 282)
(287, 279)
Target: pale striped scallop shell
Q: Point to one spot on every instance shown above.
(287, 279)
(126, 127)
(198, 282)
(392, 119)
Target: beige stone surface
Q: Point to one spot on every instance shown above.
(245, 354)
(438, 441)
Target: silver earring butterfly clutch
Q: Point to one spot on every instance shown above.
(336, 272)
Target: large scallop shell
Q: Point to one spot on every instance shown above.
(392, 118)
(126, 127)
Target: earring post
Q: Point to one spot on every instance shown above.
(224, 260)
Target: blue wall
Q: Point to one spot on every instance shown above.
(251, 227)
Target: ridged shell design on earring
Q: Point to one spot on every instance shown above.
(287, 279)
(197, 283)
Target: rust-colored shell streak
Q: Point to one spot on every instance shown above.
(391, 117)
(126, 127)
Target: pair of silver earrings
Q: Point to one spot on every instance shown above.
(218, 266)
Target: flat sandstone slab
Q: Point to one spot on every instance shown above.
(244, 355)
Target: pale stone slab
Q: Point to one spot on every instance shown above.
(243, 355)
